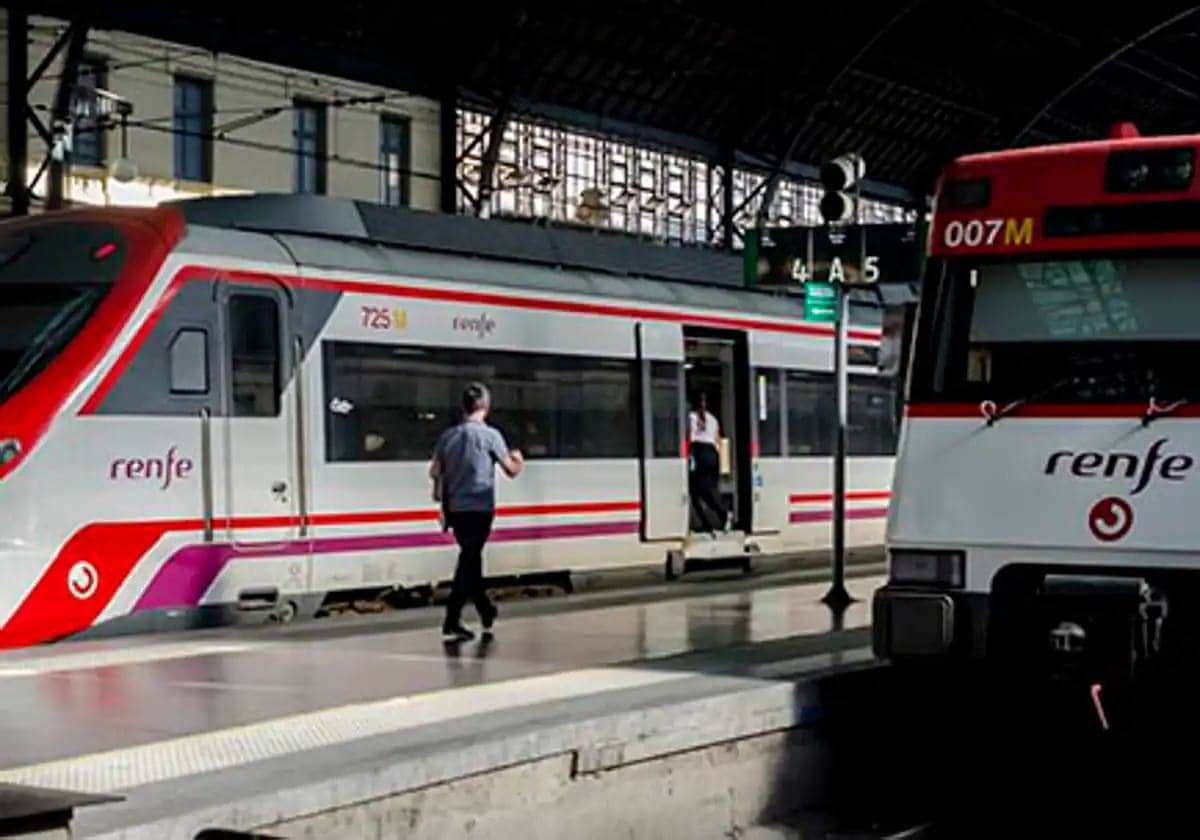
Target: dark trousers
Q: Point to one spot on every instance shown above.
(702, 485)
(471, 531)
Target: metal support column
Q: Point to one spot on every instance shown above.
(727, 208)
(60, 154)
(487, 168)
(18, 95)
(448, 141)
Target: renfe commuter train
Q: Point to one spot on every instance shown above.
(1045, 479)
(230, 404)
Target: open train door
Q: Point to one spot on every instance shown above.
(663, 467)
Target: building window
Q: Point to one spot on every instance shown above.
(394, 160)
(571, 177)
(872, 416)
(254, 355)
(308, 133)
(811, 410)
(387, 402)
(87, 130)
(193, 129)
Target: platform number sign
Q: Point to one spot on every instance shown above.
(796, 256)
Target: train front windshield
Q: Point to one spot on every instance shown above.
(52, 277)
(1095, 329)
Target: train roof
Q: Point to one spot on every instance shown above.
(344, 234)
(350, 220)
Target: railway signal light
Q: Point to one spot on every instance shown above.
(837, 177)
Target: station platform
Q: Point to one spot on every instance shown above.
(342, 728)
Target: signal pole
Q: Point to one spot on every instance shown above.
(839, 208)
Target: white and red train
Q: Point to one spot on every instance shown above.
(230, 403)
(1043, 510)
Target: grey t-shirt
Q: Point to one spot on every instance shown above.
(468, 454)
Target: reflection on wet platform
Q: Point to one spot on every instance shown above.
(91, 696)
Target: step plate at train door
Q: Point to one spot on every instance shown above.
(664, 468)
(260, 498)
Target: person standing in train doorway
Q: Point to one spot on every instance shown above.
(704, 465)
(463, 471)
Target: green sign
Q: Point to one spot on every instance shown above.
(750, 240)
(820, 302)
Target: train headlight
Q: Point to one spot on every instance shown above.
(10, 449)
(928, 568)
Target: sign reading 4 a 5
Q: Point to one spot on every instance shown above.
(978, 233)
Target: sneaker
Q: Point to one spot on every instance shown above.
(457, 633)
(489, 618)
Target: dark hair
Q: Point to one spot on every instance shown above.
(475, 396)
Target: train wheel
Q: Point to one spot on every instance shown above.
(285, 613)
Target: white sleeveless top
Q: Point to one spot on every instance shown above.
(708, 434)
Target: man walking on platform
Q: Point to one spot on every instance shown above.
(464, 478)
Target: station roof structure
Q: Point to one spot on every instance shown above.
(909, 85)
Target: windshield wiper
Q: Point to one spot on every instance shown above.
(1154, 410)
(992, 414)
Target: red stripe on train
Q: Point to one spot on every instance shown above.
(210, 273)
(827, 498)
(974, 411)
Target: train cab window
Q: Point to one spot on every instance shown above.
(811, 406)
(768, 409)
(664, 408)
(254, 355)
(53, 277)
(189, 362)
(872, 416)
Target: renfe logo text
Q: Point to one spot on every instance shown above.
(164, 469)
(482, 326)
(1141, 468)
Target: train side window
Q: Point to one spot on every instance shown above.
(254, 355)
(389, 403)
(664, 408)
(811, 403)
(872, 416)
(768, 407)
(189, 361)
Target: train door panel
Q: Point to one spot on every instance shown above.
(664, 471)
(262, 490)
(782, 468)
(770, 469)
(717, 365)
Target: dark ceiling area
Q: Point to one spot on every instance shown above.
(908, 85)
